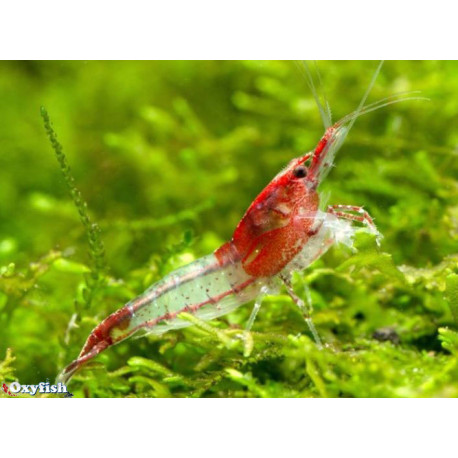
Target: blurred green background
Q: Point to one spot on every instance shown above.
(168, 156)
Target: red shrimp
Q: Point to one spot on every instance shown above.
(283, 230)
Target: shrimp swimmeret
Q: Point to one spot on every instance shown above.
(284, 230)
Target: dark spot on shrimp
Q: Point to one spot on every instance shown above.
(124, 324)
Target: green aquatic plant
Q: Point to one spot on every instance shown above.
(168, 163)
(96, 247)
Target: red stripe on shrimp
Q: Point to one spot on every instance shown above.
(194, 308)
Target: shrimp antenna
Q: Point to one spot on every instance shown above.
(325, 110)
(398, 95)
(366, 94)
(392, 99)
(379, 104)
(323, 91)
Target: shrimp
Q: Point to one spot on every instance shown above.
(284, 230)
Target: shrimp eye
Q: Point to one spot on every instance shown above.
(300, 172)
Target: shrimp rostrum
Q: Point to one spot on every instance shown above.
(284, 230)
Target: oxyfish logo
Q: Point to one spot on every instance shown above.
(32, 390)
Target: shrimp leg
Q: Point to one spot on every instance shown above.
(247, 339)
(254, 312)
(306, 309)
(362, 216)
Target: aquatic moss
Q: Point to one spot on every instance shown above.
(168, 155)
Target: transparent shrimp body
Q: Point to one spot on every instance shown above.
(204, 288)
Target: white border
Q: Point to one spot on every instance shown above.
(232, 428)
(236, 29)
